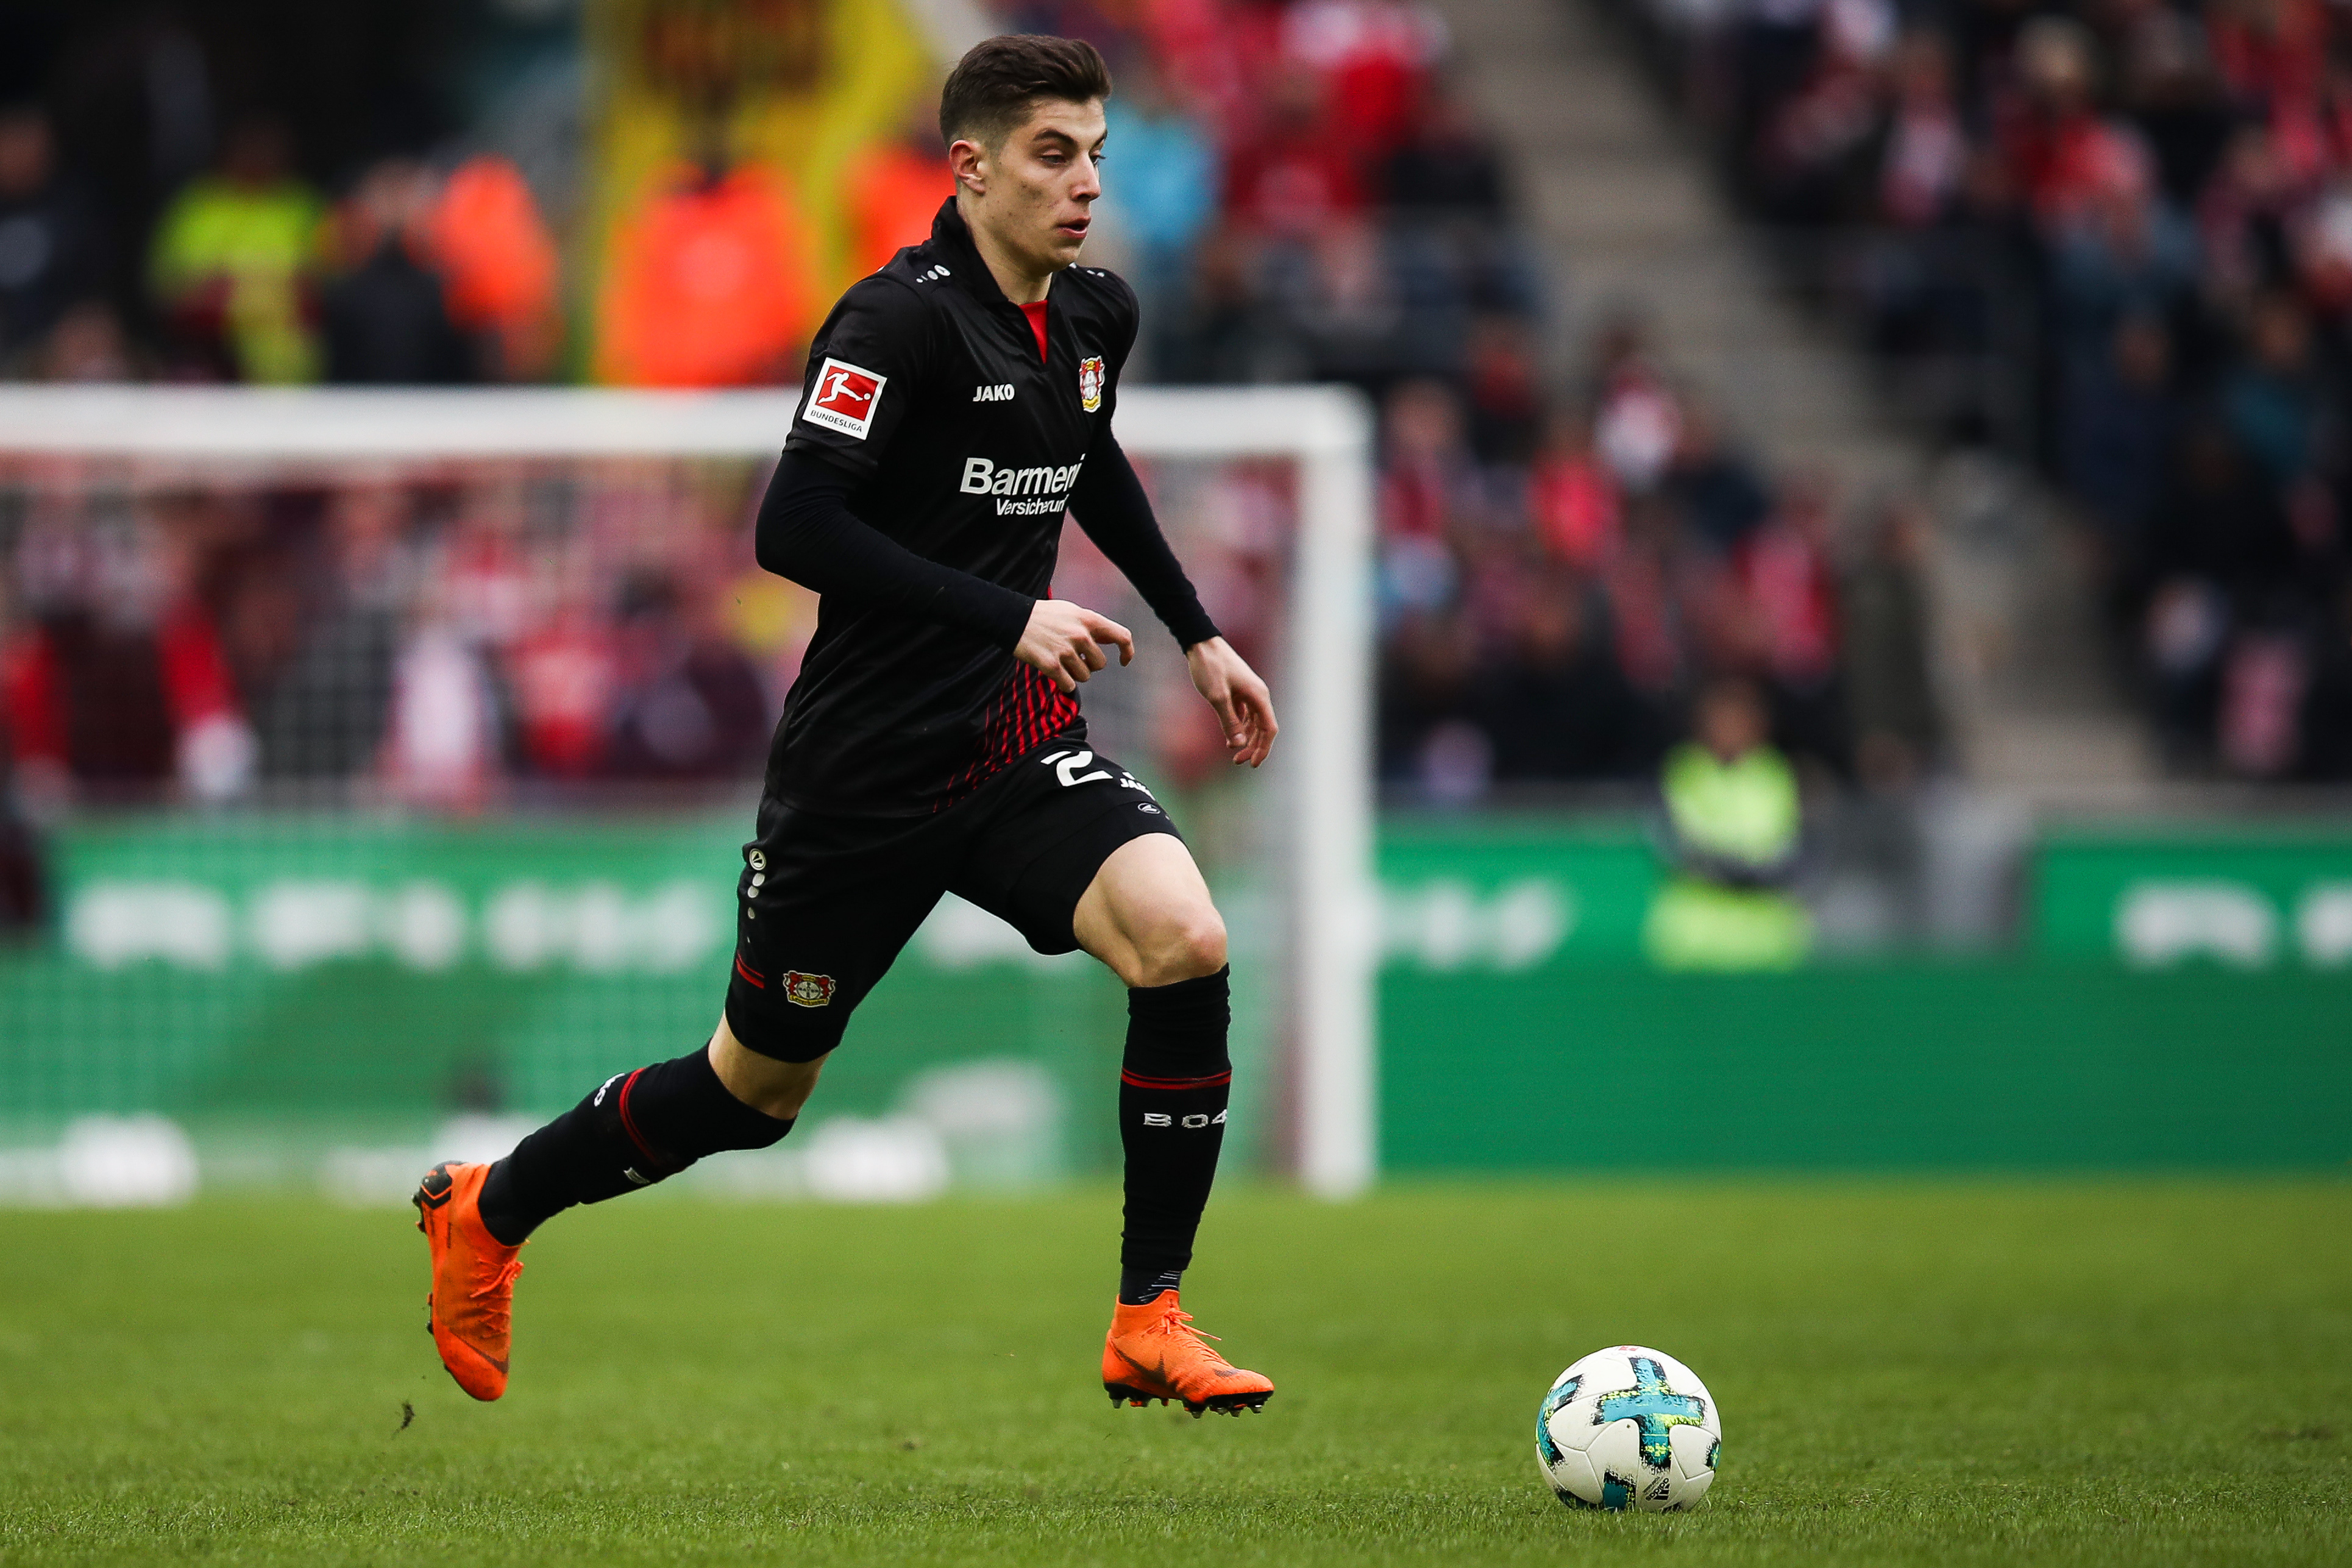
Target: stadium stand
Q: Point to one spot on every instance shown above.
(1299, 190)
(2109, 240)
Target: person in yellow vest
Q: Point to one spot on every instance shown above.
(1737, 823)
(233, 264)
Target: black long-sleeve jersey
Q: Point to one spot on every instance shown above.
(961, 450)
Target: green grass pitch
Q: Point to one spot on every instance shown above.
(2001, 1373)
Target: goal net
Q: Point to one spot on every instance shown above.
(385, 758)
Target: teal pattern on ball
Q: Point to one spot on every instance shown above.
(1656, 1408)
(1561, 1393)
(1616, 1495)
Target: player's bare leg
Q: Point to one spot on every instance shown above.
(773, 1088)
(1147, 916)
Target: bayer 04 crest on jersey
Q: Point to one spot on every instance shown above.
(1628, 1427)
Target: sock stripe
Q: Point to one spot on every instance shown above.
(629, 1124)
(1137, 1080)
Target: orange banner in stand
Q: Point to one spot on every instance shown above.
(733, 140)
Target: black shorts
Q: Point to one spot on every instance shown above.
(826, 903)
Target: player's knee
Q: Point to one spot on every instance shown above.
(1183, 949)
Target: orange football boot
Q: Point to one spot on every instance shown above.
(1153, 1352)
(474, 1273)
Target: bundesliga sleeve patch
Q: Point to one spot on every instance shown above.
(1090, 382)
(845, 399)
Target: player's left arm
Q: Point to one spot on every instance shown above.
(1109, 503)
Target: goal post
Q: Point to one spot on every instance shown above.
(1323, 767)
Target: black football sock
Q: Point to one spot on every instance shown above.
(1138, 1286)
(638, 1128)
(1172, 1092)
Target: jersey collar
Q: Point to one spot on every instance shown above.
(952, 236)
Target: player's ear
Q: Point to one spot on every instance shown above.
(968, 162)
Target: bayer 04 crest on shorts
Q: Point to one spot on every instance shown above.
(1628, 1428)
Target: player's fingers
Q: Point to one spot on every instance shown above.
(1235, 723)
(1074, 669)
(1091, 652)
(1263, 728)
(1106, 630)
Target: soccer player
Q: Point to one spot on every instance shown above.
(956, 403)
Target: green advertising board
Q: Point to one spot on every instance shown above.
(375, 976)
(2245, 899)
(2115, 1038)
(2183, 1000)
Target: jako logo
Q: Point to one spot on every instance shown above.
(1048, 489)
(1001, 392)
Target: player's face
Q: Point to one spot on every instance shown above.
(1037, 192)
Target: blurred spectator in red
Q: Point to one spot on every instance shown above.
(1650, 582)
(498, 265)
(48, 237)
(1506, 402)
(2270, 51)
(1572, 496)
(234, 263)
(711, 284)
(2063, 155)
(1296, 177)
(1786, 572)
(386, 317)
(563, 678)
(1425, 474)
(1374, 57)
(109, 690)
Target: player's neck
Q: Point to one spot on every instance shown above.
(1012, 275)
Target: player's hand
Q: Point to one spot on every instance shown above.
(1067, 642)
(1244, 707)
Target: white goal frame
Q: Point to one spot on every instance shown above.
(1326, 750)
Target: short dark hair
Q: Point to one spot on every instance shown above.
(991, 88)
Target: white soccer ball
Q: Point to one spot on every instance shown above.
(1628, 1428)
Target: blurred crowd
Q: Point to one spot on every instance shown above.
(1561, 578)
(416, 275)
(2139, 213)
(1300, 193)
(443, 640)
(1296, 188)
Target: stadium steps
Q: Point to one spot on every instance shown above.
(1628, 217)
